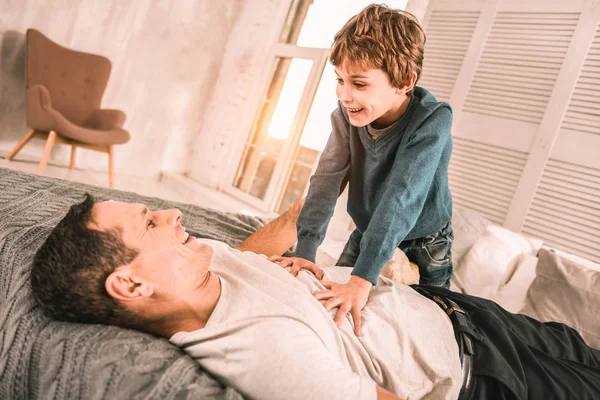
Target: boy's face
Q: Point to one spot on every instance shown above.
(369, 96)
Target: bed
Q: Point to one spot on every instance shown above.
(41, 358)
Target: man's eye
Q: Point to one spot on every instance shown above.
(150, 224)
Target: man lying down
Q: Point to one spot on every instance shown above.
(259, 329)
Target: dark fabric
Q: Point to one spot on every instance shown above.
(64, 93)
(517, 357)
(398, 184)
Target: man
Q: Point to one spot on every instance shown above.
(262, 331)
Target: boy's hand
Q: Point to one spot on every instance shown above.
(297, 264)
(350, 297)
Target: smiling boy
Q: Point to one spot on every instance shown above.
(391, 140)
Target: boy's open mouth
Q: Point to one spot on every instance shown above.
(354, 111)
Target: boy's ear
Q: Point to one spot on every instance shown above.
(408, 85)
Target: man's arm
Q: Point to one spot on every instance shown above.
(383, 394)
(276, 237)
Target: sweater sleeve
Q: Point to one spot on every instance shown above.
(324, 188)
(402, 202)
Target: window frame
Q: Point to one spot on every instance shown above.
(284, 164)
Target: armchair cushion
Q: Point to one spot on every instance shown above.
(43, 117)
(105, 119)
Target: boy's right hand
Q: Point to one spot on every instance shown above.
(298, 263)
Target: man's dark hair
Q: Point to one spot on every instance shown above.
(70, 269)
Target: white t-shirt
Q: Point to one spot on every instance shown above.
(269, 338)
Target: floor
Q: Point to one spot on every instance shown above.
(171, 186)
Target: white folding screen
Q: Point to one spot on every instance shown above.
(525, 93)
(519, 64)
(483, 177)
(449, 33)
(565, 210)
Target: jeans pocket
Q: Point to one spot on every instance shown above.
(438, 247)
(438, 251)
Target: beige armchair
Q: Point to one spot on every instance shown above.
(64, 92)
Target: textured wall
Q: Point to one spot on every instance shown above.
(166, 57)
(417, 7)
(235, 97)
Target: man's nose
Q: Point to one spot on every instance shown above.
(173, 217)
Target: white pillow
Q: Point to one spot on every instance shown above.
(468, 226)
(329, 252)
(511, 296)
(492, 260)
(566, 291)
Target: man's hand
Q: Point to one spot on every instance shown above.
(350, 297)
(297, 264)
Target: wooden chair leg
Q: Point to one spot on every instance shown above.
(111, 168)
(73, 153)
(47, 150)
(21, 144)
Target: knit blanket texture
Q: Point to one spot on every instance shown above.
(45, 359)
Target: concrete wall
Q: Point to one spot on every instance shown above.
(237, 91)
(166, 57)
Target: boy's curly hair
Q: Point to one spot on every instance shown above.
(383, 38)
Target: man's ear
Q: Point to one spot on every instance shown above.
(124, 286)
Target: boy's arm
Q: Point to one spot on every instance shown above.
(402, 202)
(325, 186)
(277, 236)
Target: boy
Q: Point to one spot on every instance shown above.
(392, 141)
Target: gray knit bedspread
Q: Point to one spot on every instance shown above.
(45, 359)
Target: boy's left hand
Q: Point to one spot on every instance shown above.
(350, 297)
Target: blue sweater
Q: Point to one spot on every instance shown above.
(398, 184)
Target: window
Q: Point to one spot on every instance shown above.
(292, 123)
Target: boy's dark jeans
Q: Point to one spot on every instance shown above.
(432, 253)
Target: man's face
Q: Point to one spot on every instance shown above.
(368, 95)
(168, 258)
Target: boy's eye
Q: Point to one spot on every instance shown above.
(359, 85)
(340, 81)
